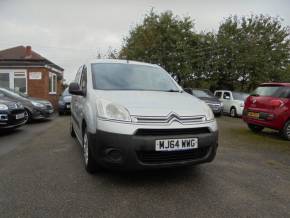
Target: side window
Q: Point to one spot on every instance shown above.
(83, 82)
(218, 94)
(227, 95)
(286, 93)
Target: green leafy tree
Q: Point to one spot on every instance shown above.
(163, 39)
(251, 50)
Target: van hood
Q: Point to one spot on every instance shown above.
(156, 103)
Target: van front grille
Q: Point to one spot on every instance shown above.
(155, 157)
(164, 132)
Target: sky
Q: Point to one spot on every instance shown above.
(69, 32)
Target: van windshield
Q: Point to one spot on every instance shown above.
(12, 94)
(114, 76)
(272, 91)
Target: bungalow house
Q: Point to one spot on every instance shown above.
(26, 71)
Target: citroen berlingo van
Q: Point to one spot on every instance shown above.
(132, 115)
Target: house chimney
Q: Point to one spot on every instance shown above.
(28, 52)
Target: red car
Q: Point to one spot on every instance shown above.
(269, 106)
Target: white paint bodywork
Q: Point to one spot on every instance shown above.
(139, 103)
(230, 103)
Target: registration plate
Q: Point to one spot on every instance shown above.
(176, 144)
(19, 116)
(253, 115)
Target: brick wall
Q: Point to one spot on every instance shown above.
(40, 88)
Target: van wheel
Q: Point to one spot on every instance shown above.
(255, 128)
(90, 163)
(71, 130)
(286, 131)
(233, 112)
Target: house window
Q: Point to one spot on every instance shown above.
(20, 83)
(4, 80)
(52, 83)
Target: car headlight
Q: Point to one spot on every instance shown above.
(3, 107)
(208, 113)
(242, 104)
(112, 111)
(222, 104)
(37, 104)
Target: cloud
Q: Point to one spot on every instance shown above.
(70, 32)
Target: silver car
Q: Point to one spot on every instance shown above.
(132, 115)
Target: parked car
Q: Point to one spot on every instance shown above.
(36, 108)
(133, 115)
(269, 106)
(64, 102)
(12, 114)
(233, 101)
(208, 97)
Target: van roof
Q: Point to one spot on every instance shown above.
(119, 61)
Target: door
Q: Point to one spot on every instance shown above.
(82, 99)
(227, 101)
(75, 108)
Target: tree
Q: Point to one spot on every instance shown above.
(163, 39)
(251, 50)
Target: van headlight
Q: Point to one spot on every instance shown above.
(112, 111)
(208, 113)
(3, 107)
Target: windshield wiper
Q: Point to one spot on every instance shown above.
(172, 90)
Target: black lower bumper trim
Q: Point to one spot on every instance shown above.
(136, 152)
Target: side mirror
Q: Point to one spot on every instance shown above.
(188, 90)
(75, 89)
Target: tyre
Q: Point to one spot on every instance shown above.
(233, 112)
(255, 128)
(71, 129)
(90, 163)
(60, 113)
(286, 131)
(28, 115)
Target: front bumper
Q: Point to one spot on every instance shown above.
(136, 152)
(42, 113)
(216, 108)
(65, 107)
(8, 119)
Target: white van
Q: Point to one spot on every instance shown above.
(132, 115)
(233, 101)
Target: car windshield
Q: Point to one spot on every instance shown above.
(272, 91)
(66, 92)
(240, 96)
(13, 94)
(111, 76)
(202, 93)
